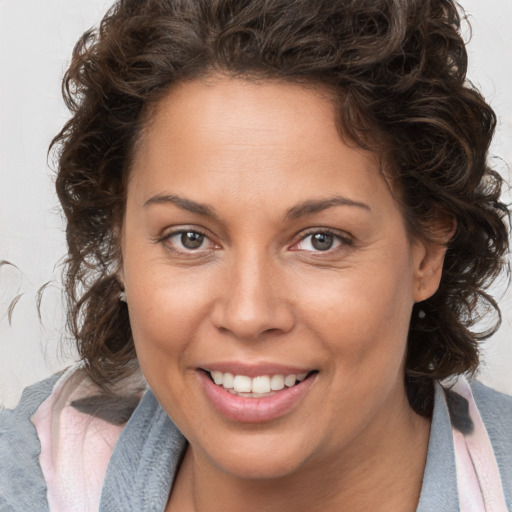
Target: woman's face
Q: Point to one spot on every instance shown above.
(260, 250)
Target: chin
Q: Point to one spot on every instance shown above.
(259, 459)
(260, 467)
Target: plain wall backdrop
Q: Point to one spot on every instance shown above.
(36, 40)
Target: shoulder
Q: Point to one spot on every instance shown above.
(22, 486)
(15, 424)
(495, 408)
(496, 411)
(488, 397)
(63, 429)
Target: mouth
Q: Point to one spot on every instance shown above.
(260, 386)
(256, 393)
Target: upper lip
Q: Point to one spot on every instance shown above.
(255, 370)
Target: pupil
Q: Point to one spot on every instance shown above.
(192, 240)
(322, 241)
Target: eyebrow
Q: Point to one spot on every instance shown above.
(315, 206)
(309, 207)
(184, 204)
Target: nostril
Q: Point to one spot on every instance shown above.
(249, 311)
(253, 329)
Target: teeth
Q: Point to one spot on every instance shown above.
(228, 380)
(242, 384)
(262, 385)
(276, 382)
(217, 378)
(290, 380)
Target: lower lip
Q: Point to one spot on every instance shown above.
(254, 410)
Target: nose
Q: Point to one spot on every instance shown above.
(252, 300)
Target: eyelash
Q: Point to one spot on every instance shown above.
(343, 240)
(168, 236)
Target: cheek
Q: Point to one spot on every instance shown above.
(167, 308)
(167, 316)
(364, 323)
(363, 315)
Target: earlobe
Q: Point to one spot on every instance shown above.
(429, 272)
(429, 262)
(120, 280)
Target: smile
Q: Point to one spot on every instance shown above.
(263, 396)
(260, 386)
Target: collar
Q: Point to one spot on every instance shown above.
(439, 489)
(150, 448)
(144, 462)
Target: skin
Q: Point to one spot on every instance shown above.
(256, 290)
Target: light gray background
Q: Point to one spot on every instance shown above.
(36, 39)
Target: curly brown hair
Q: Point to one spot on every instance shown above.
(398, 71)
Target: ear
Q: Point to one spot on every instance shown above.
(120, 280)
(119, 236)
(120, 277)
(428, 260)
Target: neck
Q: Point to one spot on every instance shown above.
(382, 470)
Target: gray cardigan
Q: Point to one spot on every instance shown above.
(147, 454)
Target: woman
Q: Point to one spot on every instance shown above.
(281, 215)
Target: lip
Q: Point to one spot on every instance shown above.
(254, 410)
(255, 370)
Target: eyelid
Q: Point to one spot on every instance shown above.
(344, 238)
(178, 230)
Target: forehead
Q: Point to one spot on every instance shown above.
(237, 112)
(247, 139)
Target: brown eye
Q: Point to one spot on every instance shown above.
(187, 242)
(191, 239)
(322, 241)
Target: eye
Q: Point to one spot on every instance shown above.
(187, 241)
(321, 241)
(190, 239)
